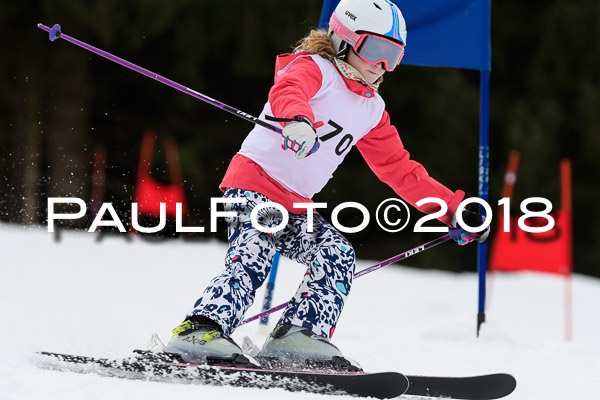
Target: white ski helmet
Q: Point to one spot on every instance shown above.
(353, 17)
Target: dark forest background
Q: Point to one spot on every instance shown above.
(59, 103)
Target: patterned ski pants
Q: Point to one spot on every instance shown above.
(328, 256)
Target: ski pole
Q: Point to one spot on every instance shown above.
(56, 33)
(270, 288)
(399, 257)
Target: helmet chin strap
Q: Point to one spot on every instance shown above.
(343, 51)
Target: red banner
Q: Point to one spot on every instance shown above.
(149, 194)
(545, 251)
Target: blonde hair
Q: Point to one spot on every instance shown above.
(317, 42)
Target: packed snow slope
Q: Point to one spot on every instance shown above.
(105, 298)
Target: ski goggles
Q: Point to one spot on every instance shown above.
(370, 47)
(376, 49)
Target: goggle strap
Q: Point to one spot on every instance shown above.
(345, 33)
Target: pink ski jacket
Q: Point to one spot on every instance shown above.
(346, 113)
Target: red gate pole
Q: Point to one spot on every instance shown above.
(567, 209)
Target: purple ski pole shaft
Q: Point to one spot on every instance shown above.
(365, 271)
(55, 33)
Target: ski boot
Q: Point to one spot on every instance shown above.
(200, 340)
(296, 347)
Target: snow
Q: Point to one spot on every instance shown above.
(106, 297)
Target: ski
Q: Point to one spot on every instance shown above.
(146, 365)
(484, 387)
(381, 385)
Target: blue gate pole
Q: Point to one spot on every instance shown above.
(484, 155)
(270, 287)
(326, 11)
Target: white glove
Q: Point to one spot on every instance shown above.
(300, 137)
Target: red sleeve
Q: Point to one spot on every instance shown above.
(384, 152)
(294, 86)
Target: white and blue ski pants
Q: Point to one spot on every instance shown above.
(328, 256)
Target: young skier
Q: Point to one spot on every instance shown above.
(326, 93)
